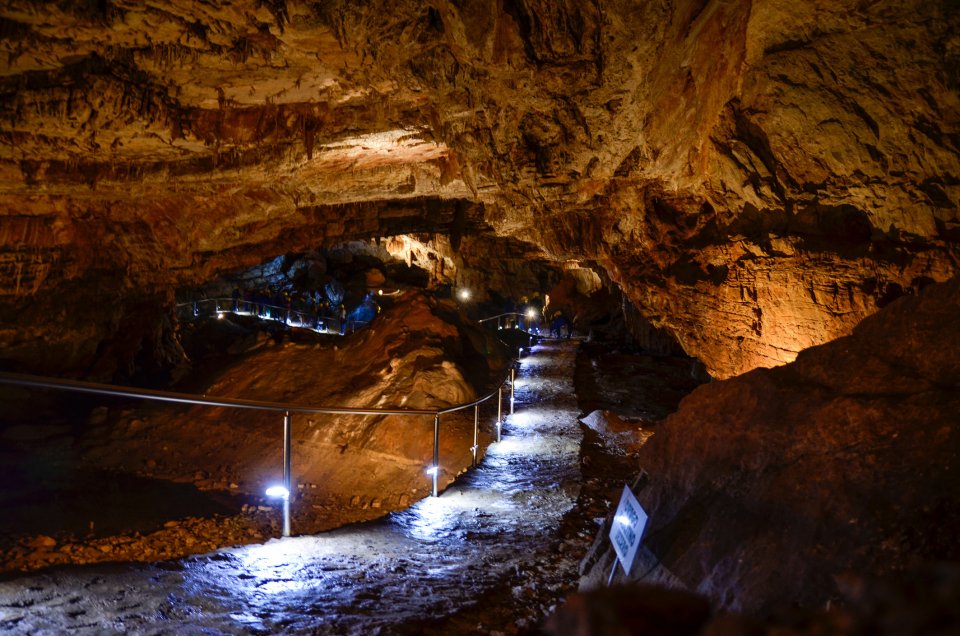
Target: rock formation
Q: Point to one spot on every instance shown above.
(419, 355)
(756, 178)
(766, 490)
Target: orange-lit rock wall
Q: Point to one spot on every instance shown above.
(756, 176)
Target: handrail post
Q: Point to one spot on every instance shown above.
(436, 451)
(513, 380)
(476, 432)
(499, 410)
(287, 481)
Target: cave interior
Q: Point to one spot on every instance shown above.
(745, 215)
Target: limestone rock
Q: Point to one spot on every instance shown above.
(914, 603)
(756, 177)
(766, 487)
(420, 353)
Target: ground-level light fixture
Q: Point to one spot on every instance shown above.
(464, 294)
(283, 493)
(278, 492)
(434, 472)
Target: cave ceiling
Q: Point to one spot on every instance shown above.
(757, 176)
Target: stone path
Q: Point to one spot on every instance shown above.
(493, 530)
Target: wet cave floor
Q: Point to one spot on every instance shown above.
(496, 552)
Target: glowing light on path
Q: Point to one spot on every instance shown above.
(278, 491)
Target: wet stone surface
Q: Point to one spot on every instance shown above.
(495, 532)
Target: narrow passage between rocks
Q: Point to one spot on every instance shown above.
(409, 572)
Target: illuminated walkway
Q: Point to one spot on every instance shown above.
(488, 538)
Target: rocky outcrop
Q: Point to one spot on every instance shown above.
(766, 489)
(756, 178)
(915, 603)
(419, 354)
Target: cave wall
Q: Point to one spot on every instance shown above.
(772, 489)
(756, 178)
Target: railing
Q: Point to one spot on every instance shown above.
(40, 382)
(224, 305)
(291, 317)
(520, 318)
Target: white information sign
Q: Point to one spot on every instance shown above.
(627, 529)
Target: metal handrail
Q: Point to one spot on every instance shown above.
(79, 386)
(229, 301)
(43, 382)
(95, 388)
(508, 313)
(478, 401)
(303, 315)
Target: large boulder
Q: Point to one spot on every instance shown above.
(764, 488)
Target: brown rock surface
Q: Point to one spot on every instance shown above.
(757, 177)
(767, 487)
(416, 355)
(917, 603)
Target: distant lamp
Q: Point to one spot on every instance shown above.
(219, 315)
(531, 313)
(379, 292)
(464, 294)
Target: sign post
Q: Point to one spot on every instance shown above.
(626, 531)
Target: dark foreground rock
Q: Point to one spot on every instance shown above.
(765, 488)
(924, 601)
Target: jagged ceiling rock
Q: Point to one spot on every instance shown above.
(756, 177)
